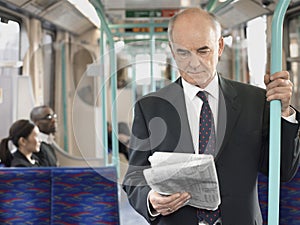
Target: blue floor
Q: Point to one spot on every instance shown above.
(128, 216)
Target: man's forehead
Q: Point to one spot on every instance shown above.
(192, 44)
(194, 40)
(46, 111)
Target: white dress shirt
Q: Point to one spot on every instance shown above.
(46, 138)
(194, 105)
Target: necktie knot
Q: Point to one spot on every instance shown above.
(202, 95)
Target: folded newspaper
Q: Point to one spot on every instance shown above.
(183, 172)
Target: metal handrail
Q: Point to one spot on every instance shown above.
(275, 116)
(113, 77)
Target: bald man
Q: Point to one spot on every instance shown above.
(239, 115)
(46, 120)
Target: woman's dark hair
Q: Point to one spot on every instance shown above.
(20, 128)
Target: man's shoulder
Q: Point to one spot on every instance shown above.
(45, 146)
(168, 91)
(240, 85)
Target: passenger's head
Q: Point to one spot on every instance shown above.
(196, 44)
(44, 118)
(24, 135)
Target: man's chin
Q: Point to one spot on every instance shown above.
(53, 131)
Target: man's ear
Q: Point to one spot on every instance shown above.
(221, 46)
(37, 123)
(170, 46)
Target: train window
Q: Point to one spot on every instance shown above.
(123, 71)
(257, 50)
(85, 85)
(143, 69)
(9, 46)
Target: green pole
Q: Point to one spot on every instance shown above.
(64, 95)
(103, 99)
(152, 51)
(133, 86)
(211, 5)
(275, 116)
(113, 77)
(237, 61)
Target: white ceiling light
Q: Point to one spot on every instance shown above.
(86, 8)
(185, 3)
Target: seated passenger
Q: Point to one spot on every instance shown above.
(24, 135)
(123, 140)
(46, 120)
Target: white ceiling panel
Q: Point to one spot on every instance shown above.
(114, 4)
(65, 15)
(154, 4)
(240, 12)
(150, 4)
(37, 6)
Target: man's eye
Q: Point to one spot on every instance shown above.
(204, 52)
(183, 53)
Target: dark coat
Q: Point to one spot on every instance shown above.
(46, 155)
(19, 160)
(161, 124)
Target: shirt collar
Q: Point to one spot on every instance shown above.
(46, 138)
(191, 90)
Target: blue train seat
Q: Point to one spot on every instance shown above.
(289, 211)
(84, 195)
(25, 196)
(59, 196)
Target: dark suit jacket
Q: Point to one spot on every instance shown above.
(46, 155)
(161, 124)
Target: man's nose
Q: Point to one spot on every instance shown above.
(194, 61)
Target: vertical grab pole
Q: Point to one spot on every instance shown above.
(104, 102)
(275, 116)
(113, 71)
(211, 5)
(64, 97)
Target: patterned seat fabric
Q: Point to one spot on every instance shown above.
(59, 196)
(289, 200)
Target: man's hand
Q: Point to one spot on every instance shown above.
(280, 87)
(166, 205)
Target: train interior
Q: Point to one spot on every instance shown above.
(90, 60)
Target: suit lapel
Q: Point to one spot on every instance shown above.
(176, 97)
(229, 110)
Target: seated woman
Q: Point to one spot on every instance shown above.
(24, 135)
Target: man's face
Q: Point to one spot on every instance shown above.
(196, 47)
(47, 121)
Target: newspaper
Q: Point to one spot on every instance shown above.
(183, 172)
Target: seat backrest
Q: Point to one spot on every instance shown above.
(289, 200)
(59, 196)
(85, 196)
(25, 196)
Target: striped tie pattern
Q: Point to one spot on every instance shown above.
(207, 145)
